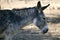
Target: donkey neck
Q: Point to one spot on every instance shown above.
(27, 14)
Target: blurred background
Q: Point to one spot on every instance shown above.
(31, 32)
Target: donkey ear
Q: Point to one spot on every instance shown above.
(38, 4)
(45, 7)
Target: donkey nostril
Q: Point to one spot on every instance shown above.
(45, 31)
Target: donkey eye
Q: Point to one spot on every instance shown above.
(43, 18)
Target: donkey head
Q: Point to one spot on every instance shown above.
(40, 20)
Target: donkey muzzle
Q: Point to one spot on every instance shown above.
(45, 29)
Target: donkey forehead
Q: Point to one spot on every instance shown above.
(41, 14)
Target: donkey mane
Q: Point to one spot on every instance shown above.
(24, 11)
(23, 8)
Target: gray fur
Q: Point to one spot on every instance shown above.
(11, 20)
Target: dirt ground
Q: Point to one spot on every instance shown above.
(31, 32)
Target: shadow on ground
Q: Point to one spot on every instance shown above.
(28, 35)
(54, 19)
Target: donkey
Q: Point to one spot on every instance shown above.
(11, 20)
